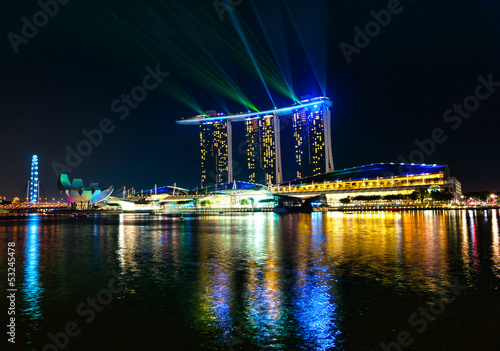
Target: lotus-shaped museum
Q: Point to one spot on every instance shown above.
(76, 192)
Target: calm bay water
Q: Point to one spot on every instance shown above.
(256, 281)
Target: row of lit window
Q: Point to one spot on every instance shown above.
(397, 182)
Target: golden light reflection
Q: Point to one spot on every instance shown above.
(259, 237)
(465, 250)
(283, 276)
(391, 247)
(263, 299)
(127, 243)
(245, 261)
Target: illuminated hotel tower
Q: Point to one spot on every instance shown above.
(254, 147)
(214, 152)
(312, 150)
(312, 133)
(269, 161)
(261, 149)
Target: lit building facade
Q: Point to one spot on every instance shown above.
(253, 129)
(214, 152)
(308, 132)
(312, 128)
(261, 149)
(380, 179)
(312, 141)
(268, 149)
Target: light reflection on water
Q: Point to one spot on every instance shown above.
(495, 245)
(32, 288)
(395, 249)
(127, 244)
(473, 240)
(284, 276)
(264, 300)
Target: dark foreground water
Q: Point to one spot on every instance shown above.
(410, 281)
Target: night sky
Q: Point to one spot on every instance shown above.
(397, 88)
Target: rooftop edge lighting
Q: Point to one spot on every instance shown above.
(283, 111)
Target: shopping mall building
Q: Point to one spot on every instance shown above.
(375, 179)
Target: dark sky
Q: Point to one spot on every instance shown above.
(395, 89)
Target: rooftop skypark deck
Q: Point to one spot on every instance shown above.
(283, 111)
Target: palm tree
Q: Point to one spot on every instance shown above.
(421, 194)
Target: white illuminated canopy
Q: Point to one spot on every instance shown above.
(284, 111)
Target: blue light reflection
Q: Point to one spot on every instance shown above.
(32, 288)
(315, 309)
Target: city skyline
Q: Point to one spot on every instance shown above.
(250, 174)
(410, 94)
